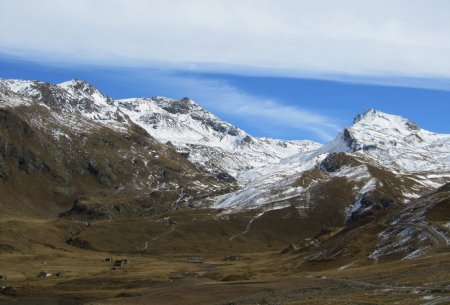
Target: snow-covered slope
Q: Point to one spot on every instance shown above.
(378, 152)
(215, 144)
(72, 97)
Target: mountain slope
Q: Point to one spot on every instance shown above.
(60, 150)
(418, 229)
(379, 161)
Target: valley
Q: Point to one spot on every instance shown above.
(168, 272)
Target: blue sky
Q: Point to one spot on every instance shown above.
(292, 69)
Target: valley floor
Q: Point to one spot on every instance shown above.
(174, 269)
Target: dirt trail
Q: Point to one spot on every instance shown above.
(164, 233)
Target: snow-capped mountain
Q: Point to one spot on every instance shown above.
(98, 158)
(380, 159)
(219, 147)
(394, 142)
(205, 139)
(380, 154)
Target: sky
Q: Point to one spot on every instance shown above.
(286, 69)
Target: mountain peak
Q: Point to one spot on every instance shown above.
(74, 82)
(379, 120)
(76, 85)
(81, 89)
(366, 114)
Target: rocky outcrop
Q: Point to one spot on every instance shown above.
(336, 160)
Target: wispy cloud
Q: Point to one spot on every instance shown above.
(270, 116)
(323, 38)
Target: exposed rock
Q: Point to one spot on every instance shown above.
(349, 140)
(370, 204)
(225, 177)
(88, 210)
(335, 161)
(78, 242)
(247, 139)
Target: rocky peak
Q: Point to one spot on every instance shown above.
(82, 90)
(376, 119)
(49, 94)
(174, 106)
(196, 112)
(378, 130)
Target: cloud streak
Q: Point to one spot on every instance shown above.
(323, 38)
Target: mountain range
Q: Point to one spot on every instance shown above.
(70, 153)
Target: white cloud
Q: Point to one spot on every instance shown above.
(269, 116)
(326, 38)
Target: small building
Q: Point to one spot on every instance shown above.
(44, 274)
(8, 291)
(195, 259)
(120, 262)
(229, 258)
(168, 221)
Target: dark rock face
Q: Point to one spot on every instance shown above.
(182, 106)
(225, 177)
(350, 141)
(91, 168)
(87, 211)
(369, 147)
(185, 154)
(232, 131)
(78, 242)
(215, 125)
(247, 139)
(371, 204)
(335, 161)
(412, 125)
